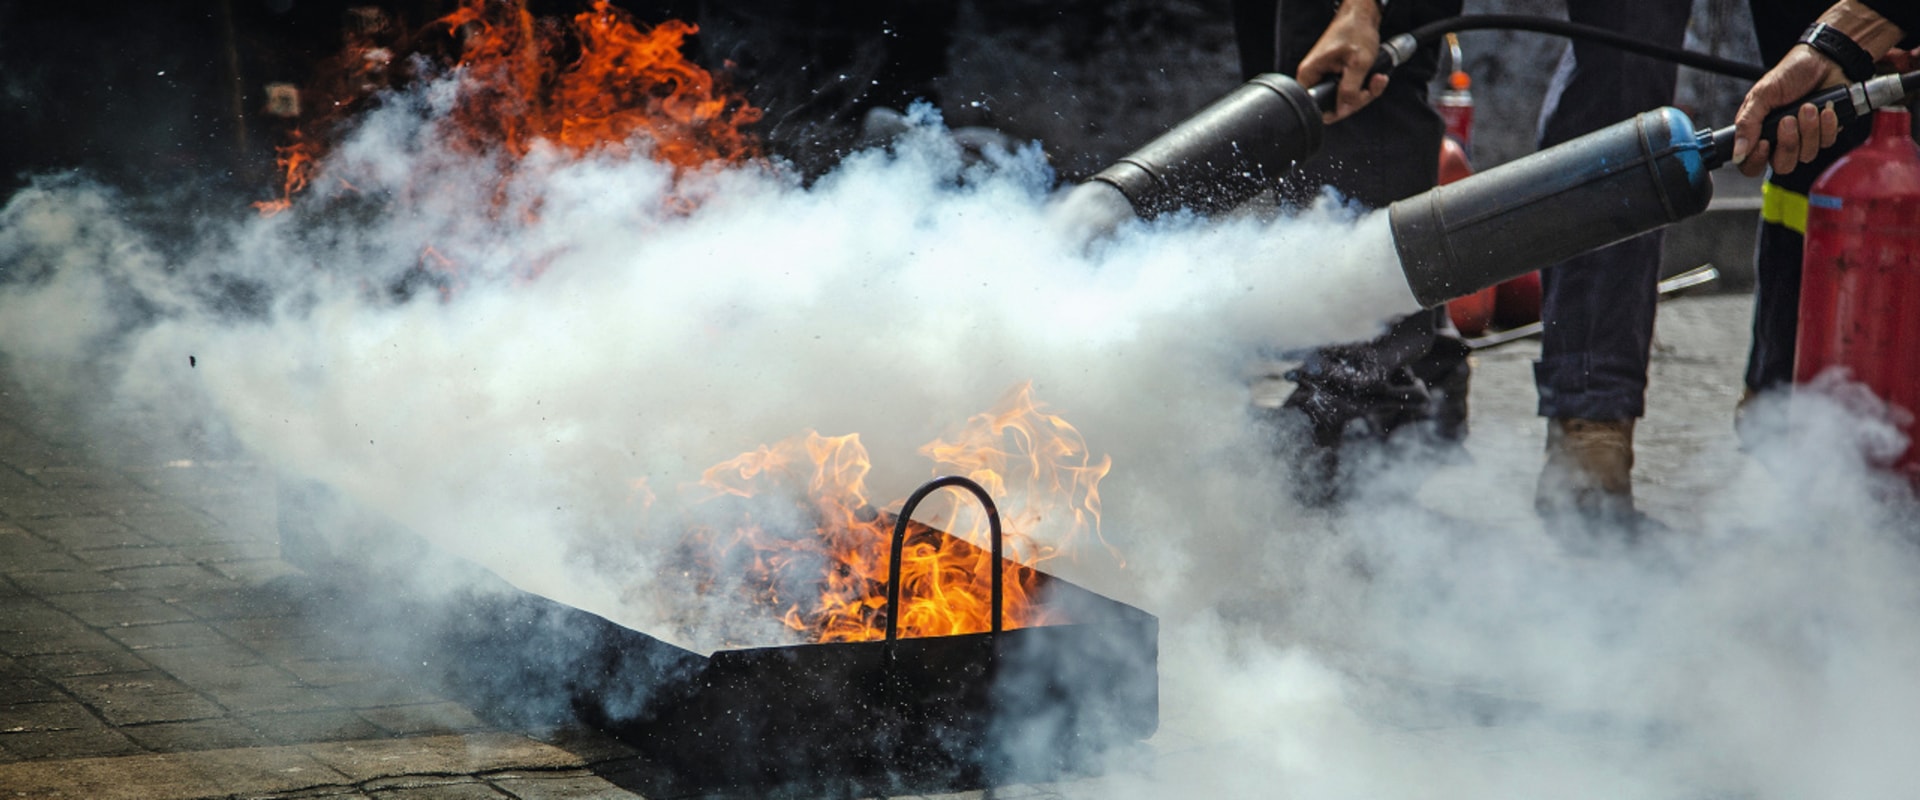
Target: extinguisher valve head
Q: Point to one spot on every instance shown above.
(1890, 89)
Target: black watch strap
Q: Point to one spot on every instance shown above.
(1853, 59)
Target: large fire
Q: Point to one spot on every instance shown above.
(602, 86)
(626, 86)
(828, 580)
(598, 84)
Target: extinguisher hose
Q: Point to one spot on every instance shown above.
(1432, 32)
(1398, 49)
(1850, 101)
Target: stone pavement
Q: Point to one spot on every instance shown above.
(153, 644)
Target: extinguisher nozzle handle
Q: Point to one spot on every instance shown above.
(1845, 100)
(1850, 102)
(1716, 146)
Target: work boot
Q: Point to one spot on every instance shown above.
(1589, 471)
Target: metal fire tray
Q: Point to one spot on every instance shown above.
(934, 713)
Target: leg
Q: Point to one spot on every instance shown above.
(1415, 374)
(1256, 36)
(1776, 307)
(1597, 310)
(1413, 378)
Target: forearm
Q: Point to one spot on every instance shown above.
(1360, 12)
(1902, 15)
(1866, 26)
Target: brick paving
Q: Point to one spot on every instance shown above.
(154, 645)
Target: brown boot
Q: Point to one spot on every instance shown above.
(1589, 470)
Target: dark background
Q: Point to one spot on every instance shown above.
(152, 96)
(170, 96)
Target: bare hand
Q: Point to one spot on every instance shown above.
(1348, 47)
(1799, 137)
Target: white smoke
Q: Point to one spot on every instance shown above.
(578, 332)
(578, 339)
(1397, 650)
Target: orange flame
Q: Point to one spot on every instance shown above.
(361, 68)
(1061, 476)
(297, 165)
(945, 582)
(625, 83)
(629, 82)
(521, 84)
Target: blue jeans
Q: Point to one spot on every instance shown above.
(1597, 309)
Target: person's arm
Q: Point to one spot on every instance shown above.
(1806, 68)
(1348, 47)
(1903, 13)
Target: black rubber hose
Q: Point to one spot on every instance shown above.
(1434, 31)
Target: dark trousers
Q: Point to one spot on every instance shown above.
(1597, 309)
(1387, 151)
(1415, 375)
(1776, 306)
(1776, 268)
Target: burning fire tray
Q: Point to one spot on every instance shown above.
(932, 713)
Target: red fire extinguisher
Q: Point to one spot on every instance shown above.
(1515, 302)
(1473, 313)
(1455, 102)
(1860, 275)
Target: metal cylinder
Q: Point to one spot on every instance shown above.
(1223, 155)
(1860, 278)
(1612, 184)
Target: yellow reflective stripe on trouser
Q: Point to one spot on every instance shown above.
(1783, 207)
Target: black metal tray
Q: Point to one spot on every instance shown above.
(947, 712)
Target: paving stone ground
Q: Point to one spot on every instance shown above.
(154, 645)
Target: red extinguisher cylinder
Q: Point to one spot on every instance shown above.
(1860, 277)
(1474, 313)
(1455, 105)
(1455, 102)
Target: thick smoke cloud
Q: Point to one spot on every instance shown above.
(523, 363)
(546, 337)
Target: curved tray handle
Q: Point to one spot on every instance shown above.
(900, 542)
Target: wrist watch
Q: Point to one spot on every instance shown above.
(1828, 41)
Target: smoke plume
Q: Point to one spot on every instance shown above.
(525, 363)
